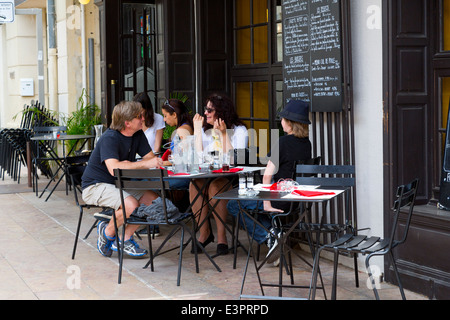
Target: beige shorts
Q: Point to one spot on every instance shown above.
(107, 195)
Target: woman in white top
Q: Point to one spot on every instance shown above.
(154, 123)
(221, 118)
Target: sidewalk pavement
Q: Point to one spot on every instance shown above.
(36, 241)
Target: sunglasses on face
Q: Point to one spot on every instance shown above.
(209, 110)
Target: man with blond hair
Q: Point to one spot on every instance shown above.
(117, 149)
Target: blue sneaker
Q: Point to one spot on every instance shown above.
(131, 248)
(104, 242)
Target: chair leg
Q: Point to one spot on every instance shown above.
(90, 230)
(180, 257)
(355, 264)
(314, 250)
(400, 286)
(120, 247)
(150, 249)
(194, 243)
(372, 280)
(77, 234)
(315, 273)
(335, 268)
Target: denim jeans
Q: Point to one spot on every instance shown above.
(179, 184)
(259, 234)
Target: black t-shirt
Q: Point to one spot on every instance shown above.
(113, 145)
(291, 149)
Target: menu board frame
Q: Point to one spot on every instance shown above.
(312, 53)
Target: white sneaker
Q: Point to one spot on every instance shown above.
(274, 249)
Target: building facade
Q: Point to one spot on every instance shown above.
(391, 123)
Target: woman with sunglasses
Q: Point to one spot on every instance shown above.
(220, 119)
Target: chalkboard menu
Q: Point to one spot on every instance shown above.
(312, 53)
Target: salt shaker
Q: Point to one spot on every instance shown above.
(242, 184)
(250, 180)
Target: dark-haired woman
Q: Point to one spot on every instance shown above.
(220, 119)
(176, 114)
(154, 123)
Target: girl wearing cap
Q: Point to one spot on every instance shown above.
(293, 146)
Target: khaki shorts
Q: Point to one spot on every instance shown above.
(107, 195)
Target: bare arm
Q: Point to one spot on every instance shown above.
(267, 179)
(158, 140)
(198, 123)
(147, 162)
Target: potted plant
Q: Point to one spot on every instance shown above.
(83, 119)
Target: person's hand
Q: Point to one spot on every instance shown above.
(198, 121)
(268, 207)
(155, 162)
(220, 125)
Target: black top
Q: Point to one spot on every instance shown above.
(113, 145)
(291, 149)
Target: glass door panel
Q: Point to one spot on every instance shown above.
(138, 50)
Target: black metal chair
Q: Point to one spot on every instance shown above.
(353, 244)
(75, 168)
(287, 215)
(135, 179)
(313, 174)
(45, 151)
(328, 176)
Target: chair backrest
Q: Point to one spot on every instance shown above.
(143, 180)
(333, 176)
(405, 197)
(326, 175)
(75, 169)
(312, 161)
(46, 130)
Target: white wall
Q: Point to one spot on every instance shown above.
(367, 55)
(19, 61)
(2, 73)
(70, 84)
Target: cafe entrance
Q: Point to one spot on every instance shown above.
(416, 109)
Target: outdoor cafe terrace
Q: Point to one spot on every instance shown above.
(35, 261)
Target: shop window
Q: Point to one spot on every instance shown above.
(445, 25)
(251, 31)
(257, 72)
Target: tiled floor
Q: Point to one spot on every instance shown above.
(36, 240)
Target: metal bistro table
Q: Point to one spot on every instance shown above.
(208, 178)
(274, 196)
(60, 161)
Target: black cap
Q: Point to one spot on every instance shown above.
(296, 110)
